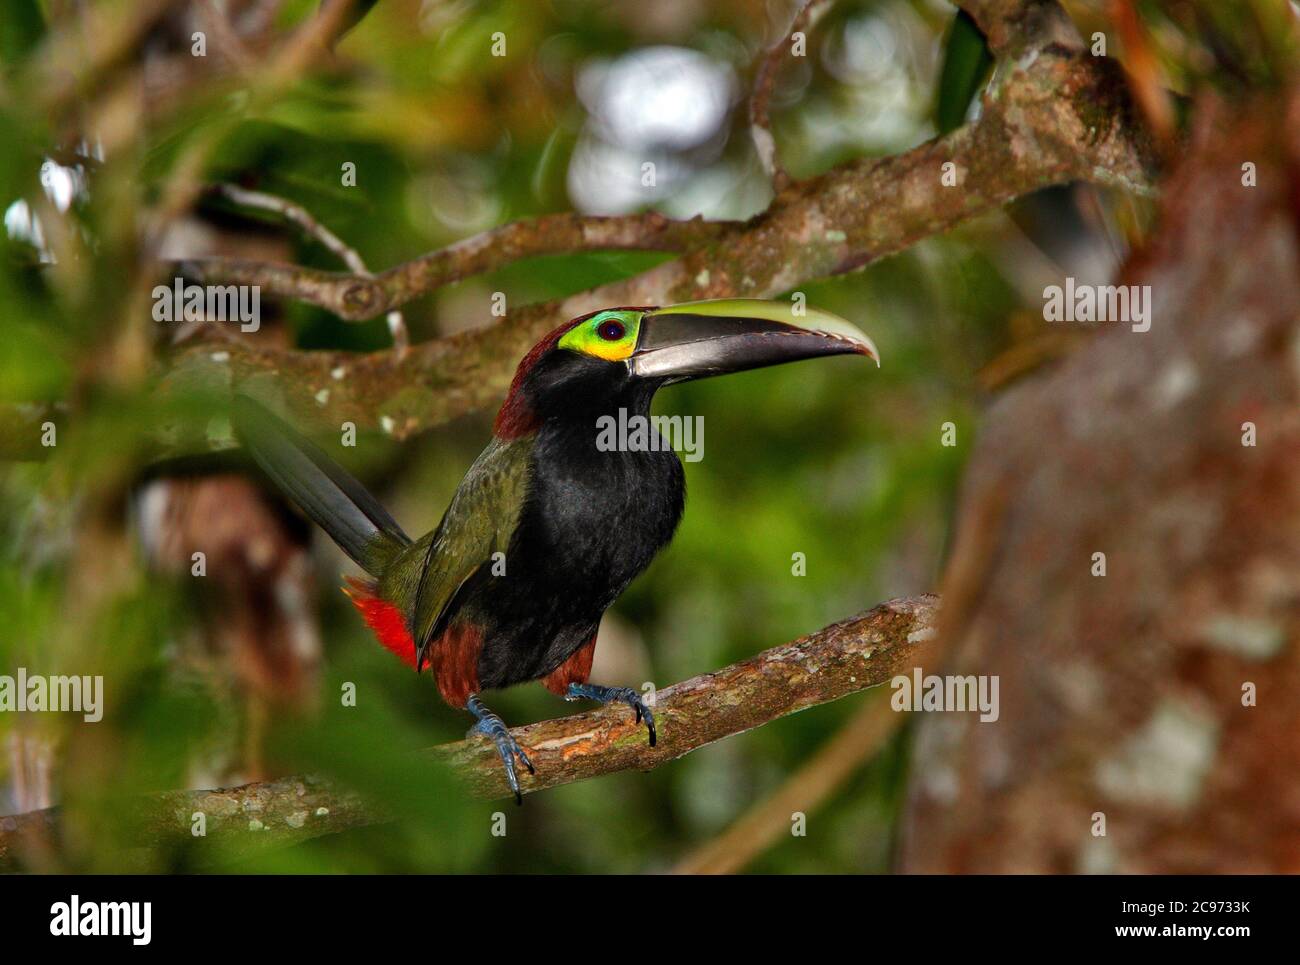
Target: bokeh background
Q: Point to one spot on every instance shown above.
(221, 680)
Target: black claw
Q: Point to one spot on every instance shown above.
(624, 695)
(649, 723)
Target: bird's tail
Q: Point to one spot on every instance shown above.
(319, 486)
(383, 618)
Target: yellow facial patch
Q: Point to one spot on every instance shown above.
(606, 335)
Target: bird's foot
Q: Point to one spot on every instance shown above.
(625, 695)
(495, 729)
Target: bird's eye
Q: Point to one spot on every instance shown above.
(611, 331)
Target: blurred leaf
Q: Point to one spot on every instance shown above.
(356, 12)
(21, 28)
(966, 63)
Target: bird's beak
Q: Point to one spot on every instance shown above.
(698, 339)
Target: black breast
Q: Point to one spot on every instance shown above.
(592, 522)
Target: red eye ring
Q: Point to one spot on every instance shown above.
(611, 330)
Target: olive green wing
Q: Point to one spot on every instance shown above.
(479, 523)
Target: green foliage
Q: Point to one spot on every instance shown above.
(21, 28)
(835, 460)
(966, 65)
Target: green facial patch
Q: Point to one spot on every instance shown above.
(607, 335)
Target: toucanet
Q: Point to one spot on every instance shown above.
(549, 524)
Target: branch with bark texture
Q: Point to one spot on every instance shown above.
(301, 217)
(1058, 115)
(841, 659)
(360, 296)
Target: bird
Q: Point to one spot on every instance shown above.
(551, 522)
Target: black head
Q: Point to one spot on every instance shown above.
(621, 356)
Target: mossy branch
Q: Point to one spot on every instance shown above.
(1040, 128)
(841, 659)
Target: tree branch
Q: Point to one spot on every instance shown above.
(304, 219)
(844, 658)
(1015, 28)
(360, 296)
(1060, 116)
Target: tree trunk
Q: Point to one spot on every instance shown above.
(1126, 699)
